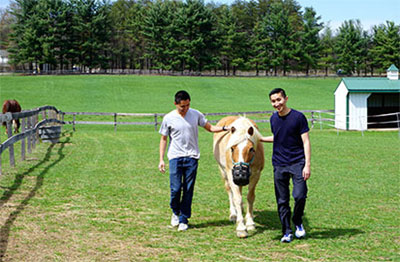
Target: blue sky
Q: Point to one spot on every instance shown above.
(334, 12)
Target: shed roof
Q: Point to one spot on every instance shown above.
(373, 84)
(392, 68)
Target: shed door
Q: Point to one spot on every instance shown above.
(380, 104)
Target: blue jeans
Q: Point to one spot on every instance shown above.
(282, 175)
(182, 177)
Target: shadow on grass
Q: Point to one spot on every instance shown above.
(5, 229)
(213, 223)
(326, 233)
(269, 220)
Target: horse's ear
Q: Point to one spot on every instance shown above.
(250, 131)
(233, 129)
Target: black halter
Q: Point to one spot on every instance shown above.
(241, 172)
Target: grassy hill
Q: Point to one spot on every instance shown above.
(154, 94)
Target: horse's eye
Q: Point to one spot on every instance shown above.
(252, 150)
(232, 149)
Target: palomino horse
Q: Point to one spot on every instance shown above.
(12, 106)
(240, 156)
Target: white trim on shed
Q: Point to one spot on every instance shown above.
(341, 106)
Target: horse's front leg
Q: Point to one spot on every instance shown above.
(241, 230)
(232, 209)
(251, 195)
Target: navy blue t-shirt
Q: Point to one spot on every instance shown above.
(288, 146)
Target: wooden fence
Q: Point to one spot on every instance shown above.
(30, 125)
(315, 116)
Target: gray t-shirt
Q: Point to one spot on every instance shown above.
(183, 133)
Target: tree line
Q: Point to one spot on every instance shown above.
(270, 37)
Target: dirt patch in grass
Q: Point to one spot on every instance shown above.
(41, 245)
(29, 233)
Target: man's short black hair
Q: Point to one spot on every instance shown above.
(276, 91)
(181, 95)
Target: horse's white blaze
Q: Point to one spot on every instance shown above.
(241, 147)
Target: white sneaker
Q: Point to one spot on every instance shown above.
(300, 232)
(174, 220)
(287, 238)
(183, 227)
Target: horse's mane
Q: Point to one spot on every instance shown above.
(242, 125)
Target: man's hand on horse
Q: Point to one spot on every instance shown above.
(228, 128)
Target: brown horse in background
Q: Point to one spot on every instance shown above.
(240, 156)
(12, 106)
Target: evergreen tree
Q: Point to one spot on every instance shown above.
(55, 24)
(262, 46)
(349, 46)
(25, 47)
(157, 29)
(310, 44)
(245, 14)
(385, 46)
(366, 59)
(283, 39)
(234, 45)
(127, 35)
(327, 58)
(6, 21)
(91, 29)
(197, 35)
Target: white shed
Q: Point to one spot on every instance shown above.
(362, 103)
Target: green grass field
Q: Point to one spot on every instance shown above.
(154, 94)
(98, 196)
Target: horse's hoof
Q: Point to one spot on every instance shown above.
(242, 234)
(251, 227)
(232, 218)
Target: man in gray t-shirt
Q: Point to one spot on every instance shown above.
(181, 126)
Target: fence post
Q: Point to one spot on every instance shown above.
(34, 134)
(312, 119)
(11, 147)
(73, 122)
(320, 121)
(37, 131)
(115, 122)
(23, 140)
(29, 124)
(155, 122)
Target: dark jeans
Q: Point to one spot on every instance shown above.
(182, 177)
(282, 175)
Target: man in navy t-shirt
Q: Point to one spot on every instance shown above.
(291, 159)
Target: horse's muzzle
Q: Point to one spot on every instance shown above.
(241, 174)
